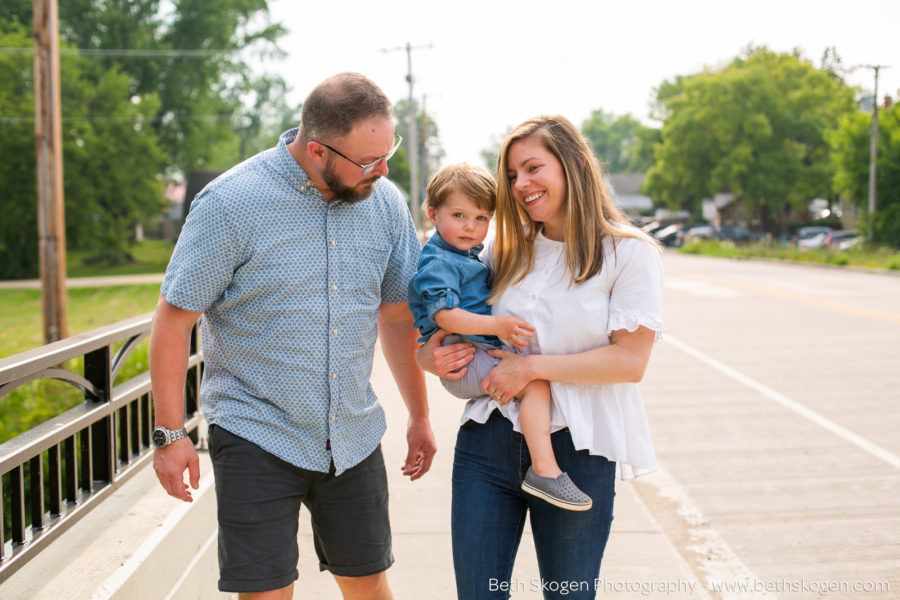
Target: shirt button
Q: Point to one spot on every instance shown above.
(334, 288)
(334, 331)
(334, 375)
(308, 183)
(332, 242)
(332, 417)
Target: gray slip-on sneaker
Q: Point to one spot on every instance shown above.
(561, 492)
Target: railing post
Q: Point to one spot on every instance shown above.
(17, 504)
(36, 480)
(2, 521)
(98, 370)
(55, 491)
(87, 462)
(71, 470)
(146, 420)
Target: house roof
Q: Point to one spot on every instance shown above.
(626, 191)
(626, 183)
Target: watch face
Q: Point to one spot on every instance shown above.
(159, 438)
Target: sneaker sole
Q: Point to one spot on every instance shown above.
(556, 501)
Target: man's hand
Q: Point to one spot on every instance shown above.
(170, 464)
(420, 439)
(447, 362)
(514, 330)
(398, 343)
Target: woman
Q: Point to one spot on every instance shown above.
(566, 260)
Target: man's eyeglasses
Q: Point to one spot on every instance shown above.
(368, 168)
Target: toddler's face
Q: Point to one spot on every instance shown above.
(460, 222)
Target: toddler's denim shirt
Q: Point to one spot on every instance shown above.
(449, 278)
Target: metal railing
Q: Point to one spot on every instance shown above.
(71, 462)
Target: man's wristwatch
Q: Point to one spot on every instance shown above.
(162, 437)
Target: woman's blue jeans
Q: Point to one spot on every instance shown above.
(489, 508)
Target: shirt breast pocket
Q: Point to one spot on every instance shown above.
(364, 268)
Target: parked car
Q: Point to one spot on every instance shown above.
(702, 232)
(842, 240)
(736, 233)
(811, 237)
(671, 235)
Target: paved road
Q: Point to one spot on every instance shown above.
(775, 409)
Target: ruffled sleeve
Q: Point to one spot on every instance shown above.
(636, 296)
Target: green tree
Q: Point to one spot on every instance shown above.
(187, 53)
(18, 227)
(756, 129)
(621, 143)
(850, 156)
(111, 162)
(264, 116)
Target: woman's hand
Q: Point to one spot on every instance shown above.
(509, 378)
(447, 362)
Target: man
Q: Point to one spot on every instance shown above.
(297, 258)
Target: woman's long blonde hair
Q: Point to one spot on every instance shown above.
(590, 212)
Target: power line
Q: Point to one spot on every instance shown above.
(121, 52)
(221, 117)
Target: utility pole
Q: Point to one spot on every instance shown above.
(873, 153)
(411, 133)
(48, 140)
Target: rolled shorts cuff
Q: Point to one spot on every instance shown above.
(360, 570)
(264, 585)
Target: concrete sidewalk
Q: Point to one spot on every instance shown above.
(639, 562)
(81, 282)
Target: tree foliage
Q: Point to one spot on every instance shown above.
(190, 54)
(621, 143)
(756, 128)
(155, 88)
(850, 146)
(111, 168)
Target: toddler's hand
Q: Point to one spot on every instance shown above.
(514, 330)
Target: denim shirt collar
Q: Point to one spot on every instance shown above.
(438, 241)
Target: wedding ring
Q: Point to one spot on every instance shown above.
(496, 395)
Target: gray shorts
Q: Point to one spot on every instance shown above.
(259, 497)
(469, 386)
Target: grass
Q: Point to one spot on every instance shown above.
(150, 256)
(858, 256)
(21, 329)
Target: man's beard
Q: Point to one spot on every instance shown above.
(343, 192)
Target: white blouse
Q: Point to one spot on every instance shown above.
(607, 420)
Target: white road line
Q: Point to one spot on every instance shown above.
(722, 570)
(860, 442)
(190, 567)
(120, 576)
(700, 288)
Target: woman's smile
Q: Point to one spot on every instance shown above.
(538, 184)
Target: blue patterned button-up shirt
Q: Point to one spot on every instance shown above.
(289, 285)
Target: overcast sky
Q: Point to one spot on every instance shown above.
(493, 64)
